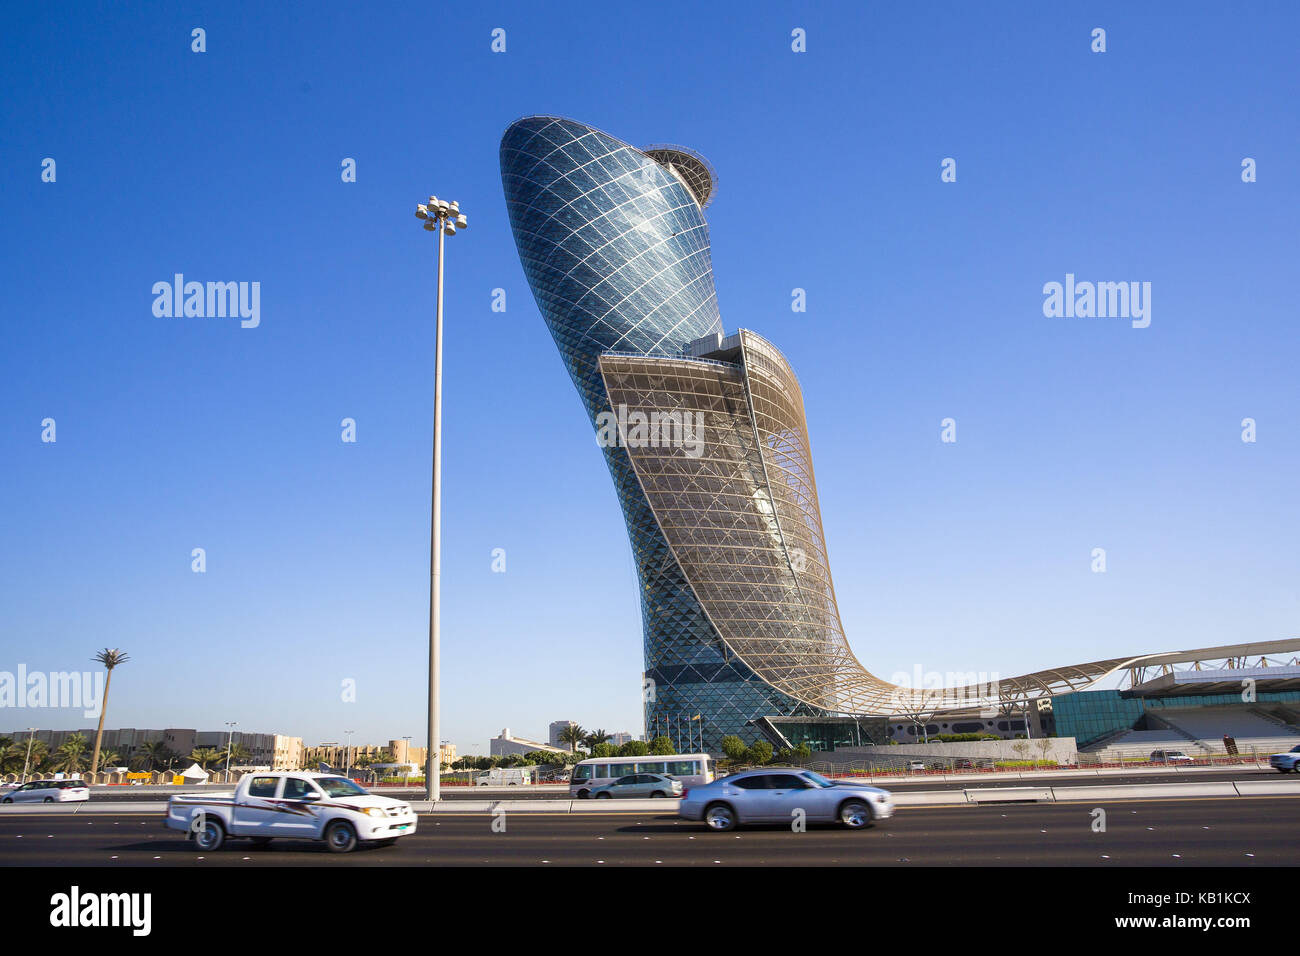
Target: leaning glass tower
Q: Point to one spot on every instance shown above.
(615, 247)
(739, 611)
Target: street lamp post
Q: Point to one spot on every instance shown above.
(30, 737)
(406, 764)
(444, 218)
(230, 734)
(347, 752)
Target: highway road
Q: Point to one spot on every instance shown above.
(1183, 832)
(920, 782)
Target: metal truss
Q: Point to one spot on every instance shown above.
(730, 481)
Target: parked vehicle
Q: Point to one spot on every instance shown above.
(916, 766)
(297, 806)
(1169, 756)
(504, 777)
(692, 770)
(963, 763)
(640, 786)
(48, 791)
(1288, 762)
(774, 796)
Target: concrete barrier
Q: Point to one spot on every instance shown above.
(1157, 791)
(1009, 795)
(1260, 788)
(929, 798)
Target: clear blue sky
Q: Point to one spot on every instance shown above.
(924, 302)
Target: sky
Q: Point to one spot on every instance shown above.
(924, 302)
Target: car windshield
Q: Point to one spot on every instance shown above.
(818, 779)
(340, 787)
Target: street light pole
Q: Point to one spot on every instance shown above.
(230, 734)
(347, 752)
(30, 737)
(443, 218)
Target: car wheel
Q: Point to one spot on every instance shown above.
(261, 841)
(604, 795)
(49, 800)
(7, 800)
(340, 837)
(720, 817)
(855, 814)
(584, 794)
(658, 794)
(211, 836)
(1283, 769)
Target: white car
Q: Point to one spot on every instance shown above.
(48, 791)
(1288, 762)
(1169, 756)
(295, 806)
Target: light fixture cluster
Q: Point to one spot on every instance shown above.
(440, 212)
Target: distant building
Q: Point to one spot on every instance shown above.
(621, 738)
(506, 744)
(558, 727)
(277, 751)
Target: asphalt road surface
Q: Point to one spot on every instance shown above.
(1187, 832)
(920, 782)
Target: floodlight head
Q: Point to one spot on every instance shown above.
(454, 206)
(433, 200)
(430, 226)
(461, 221)
(451, 229)
(421, 212)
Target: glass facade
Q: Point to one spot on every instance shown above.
(738, 609)
(616, 251)
(1090, 715)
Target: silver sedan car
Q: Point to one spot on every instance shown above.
(776, 795)
(639, 785)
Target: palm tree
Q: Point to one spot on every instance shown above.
(595, 737)
(235, 754)
(573, 735)
(152, 753)
(71, 754)
(30, 755)
(203, 756)
(110, 758)
(110, 657)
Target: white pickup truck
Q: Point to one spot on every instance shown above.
(293, 806)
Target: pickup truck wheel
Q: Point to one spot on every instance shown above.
(211, 836)
(340, 837)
